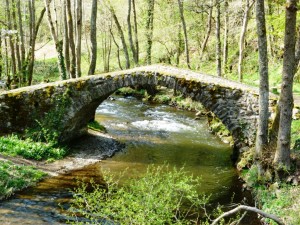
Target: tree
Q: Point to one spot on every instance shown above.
(262, 128)
(78, 36)
(133, 50)
(58, 43)
(242, 37)
(93, 38)
(226, 24)
(121, 34)
(66, 39)
(186, 45)
(218, 38)
(282, 155)
(149, 29)
(71, 41)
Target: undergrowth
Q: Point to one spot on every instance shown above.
(14, 177)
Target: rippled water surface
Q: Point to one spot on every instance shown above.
(153, 134)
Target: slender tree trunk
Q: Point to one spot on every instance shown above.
(242, 38)
(186, 45)
(120, 31)
(22, 44)
(71, 41)
(11, 43)
(136, 39)
(149, 29)
(118, 49)
(130, 34)
(225, 51)
(179, 44)
(7, 71)
(79, 35)
(262, 129)
(58, 43)
(93, 38)
(31, 54)
(17, 42)
(209, 22)
(282, 156)
(66, 40)
(218, 38)
(1, 58)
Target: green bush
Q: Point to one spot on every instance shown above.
(162, 196)
(13, 145)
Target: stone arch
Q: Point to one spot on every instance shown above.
(236, 105)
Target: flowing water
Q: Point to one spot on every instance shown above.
(153, 134)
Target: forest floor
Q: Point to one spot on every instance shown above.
(92, 148)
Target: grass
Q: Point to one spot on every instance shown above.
(14, 178)
(12, 145)
(96, 126)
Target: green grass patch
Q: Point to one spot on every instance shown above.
(13, 177)
(45, 71)
(295, 135)
(13, 145)
(96, 126)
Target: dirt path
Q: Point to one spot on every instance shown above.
(87, 150)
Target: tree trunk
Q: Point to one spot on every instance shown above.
(93, 38)
(186, 45)
(209, 22)
(282, 156)
(242, 38)
(17, 42)
(120, 31)
(79, 35)
(225, 51)
(136, 39)
(11, 43)
(149, 29)
(66, 40)
(71, 41)
(130, 34)
(262, 129)
(31, 55)
(118, 49)
(1, 58)
(22, 44)
(58, 44)
(218, 38)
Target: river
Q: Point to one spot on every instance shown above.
(153, 134)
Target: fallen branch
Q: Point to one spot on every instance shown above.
(251, 209)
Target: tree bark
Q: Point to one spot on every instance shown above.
(79, 35)
(209, 22)
(186, 45)
(136, 39)
(93, 38)
(17, 42)
(225, 49)
(251, 209)
(22, 44)
(242, 38)
(120, 31)
(282, 155)
(66, 40)
(130, 34)
(11, 43)
(218, 39)
(262, 128)
(149, 29)
(31, 55)
(71, 41)
(118, 49)
(58, 43)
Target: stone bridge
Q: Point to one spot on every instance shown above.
(235, 104)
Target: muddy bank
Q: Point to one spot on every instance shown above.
(89, 149)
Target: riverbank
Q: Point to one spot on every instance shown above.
(22, 173)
